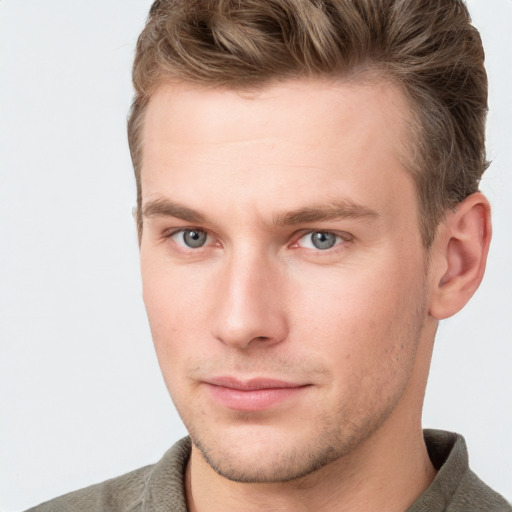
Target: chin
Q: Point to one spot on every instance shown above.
(263, 456)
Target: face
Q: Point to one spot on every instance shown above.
(283, 270)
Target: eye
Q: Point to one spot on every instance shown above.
(320, 240)
(190, 238)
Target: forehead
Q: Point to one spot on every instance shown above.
(283, 143)
(209, 111)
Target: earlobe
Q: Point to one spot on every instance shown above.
(460, 254)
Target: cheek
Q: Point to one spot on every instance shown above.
(176, 304)
(367, 347)
(359, 319)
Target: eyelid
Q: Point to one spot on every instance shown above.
(167, 233)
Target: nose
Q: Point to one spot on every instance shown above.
(250, 308)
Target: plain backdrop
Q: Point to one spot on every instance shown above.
(81, 396)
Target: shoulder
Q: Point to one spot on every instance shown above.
(475, 495)
(152, 487)
(123, 493)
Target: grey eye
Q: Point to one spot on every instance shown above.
(323, 240)
(194, 238)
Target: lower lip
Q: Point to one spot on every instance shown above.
(252, 399)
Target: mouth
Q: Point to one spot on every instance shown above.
(254, 394)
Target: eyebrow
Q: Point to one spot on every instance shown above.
(343, 209)
(166, 208)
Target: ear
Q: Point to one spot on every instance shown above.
(458, 256)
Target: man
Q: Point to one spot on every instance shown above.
(308, 210)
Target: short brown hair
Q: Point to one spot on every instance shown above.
(428, 47)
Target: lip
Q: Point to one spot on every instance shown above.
(256, 394)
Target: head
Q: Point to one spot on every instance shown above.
(306, 176)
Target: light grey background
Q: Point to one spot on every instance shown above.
(81, 397)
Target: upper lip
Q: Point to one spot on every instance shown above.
(251, 384)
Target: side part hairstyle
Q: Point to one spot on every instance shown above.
(428, 48)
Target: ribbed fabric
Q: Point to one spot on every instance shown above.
(455, 488)
(160, 487)
(156, 488)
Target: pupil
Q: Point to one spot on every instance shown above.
(322, 240)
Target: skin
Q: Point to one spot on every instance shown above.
(350, 327)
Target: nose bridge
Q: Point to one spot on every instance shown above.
(250, 308)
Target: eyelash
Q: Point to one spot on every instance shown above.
(341, 239)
